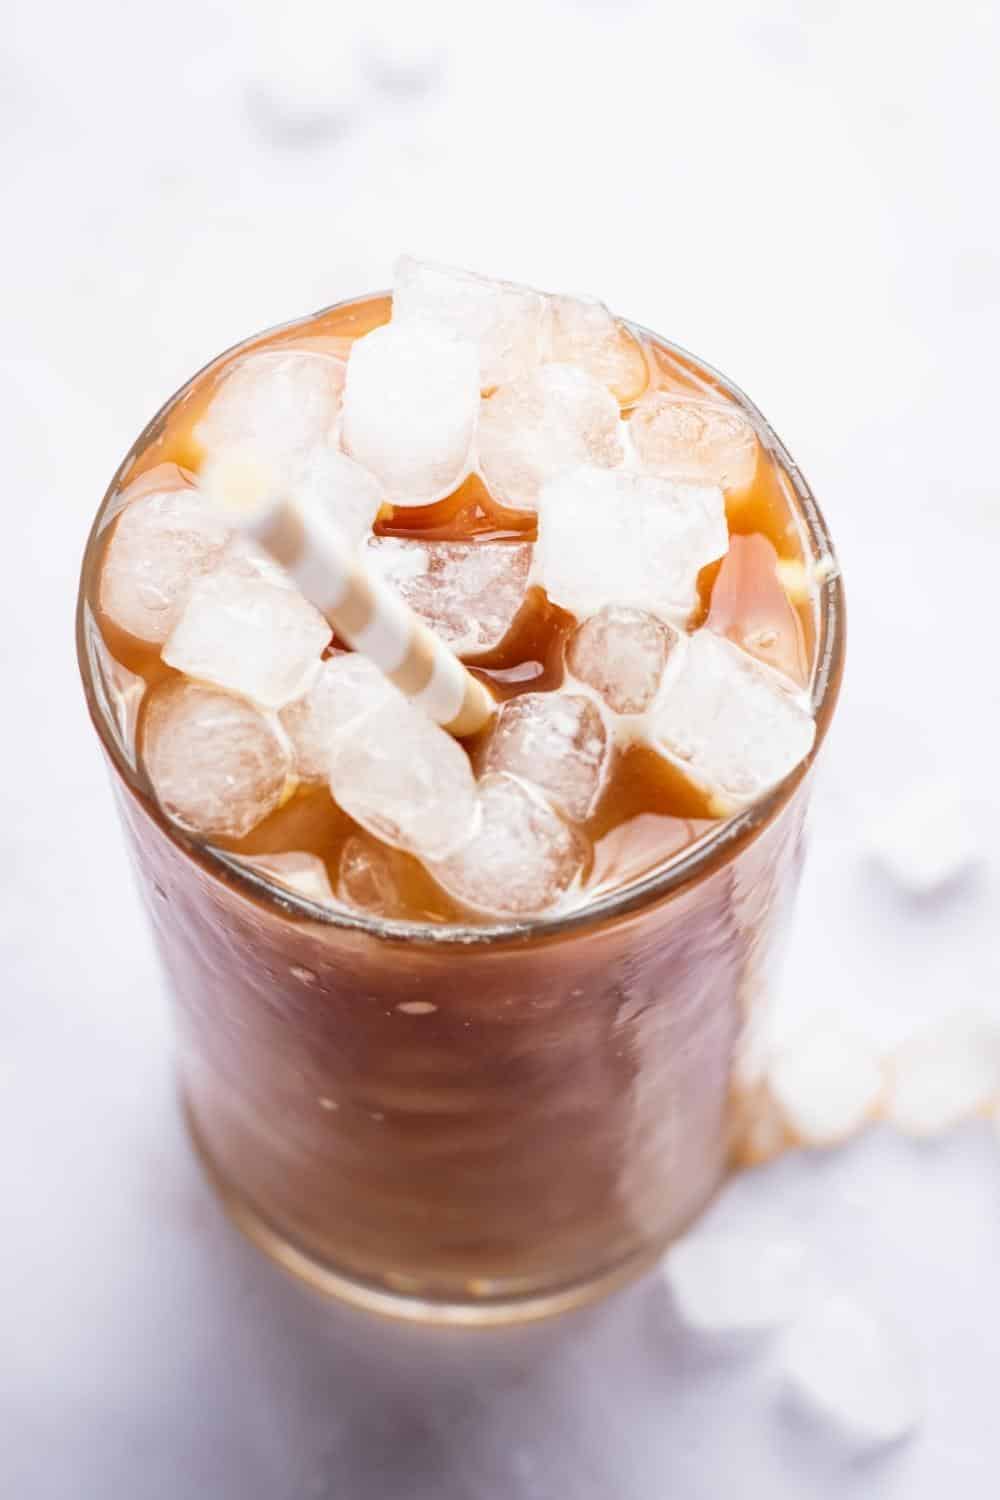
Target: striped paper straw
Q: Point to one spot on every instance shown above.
(364, 610)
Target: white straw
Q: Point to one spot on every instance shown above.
(363, 609)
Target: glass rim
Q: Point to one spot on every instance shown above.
(680, 872)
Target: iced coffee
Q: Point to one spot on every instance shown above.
(458, 1015)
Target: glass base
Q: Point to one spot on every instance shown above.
(322, 1277)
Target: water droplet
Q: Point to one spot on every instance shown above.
(416, 1007)
(305, 975)
(325, 1102)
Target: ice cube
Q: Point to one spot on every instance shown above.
(842, 1363)
(736, 1282)
(945, 1074)
(555, 741)
(410, 408)
(468, 592)
(404, 779)
(750, 607)
(827, 1082)
(305, 874)
(161, 545)
(705, 442)
(360, 685)
(215, 763)
(340, 491)
(613, 537)
(552, 420)
(243, 558)
(275, 407)
(621, 654)
(729, 720)
(302, 90)
(759, 1130)
(345, 687)
(523, 857)
(925, 839)
(365, 879)
(507, 323)
(586, 334)
(249, 636)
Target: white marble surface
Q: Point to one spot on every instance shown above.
(803, 192)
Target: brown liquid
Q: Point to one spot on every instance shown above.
(486, 1125)
(649, 811)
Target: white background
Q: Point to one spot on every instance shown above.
(805, 193)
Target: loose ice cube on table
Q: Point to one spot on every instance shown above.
(249, 636)
(621, 654)
(274, 407)
(344, 688)
(827, 1082)
(945, 1074)
(161, 545)
(507, 323)
(216, 765)
(606, 536)
(522, 858)
(468, 592)
(705, 442)
(305, 874)
(925, 839)
(555, 741)
(554, 419)
(410, 407)
(843, 1364)
(298, 92)
(732, 722)
(586, 334)
(750, 607)
(404, 778)
(736, 1283)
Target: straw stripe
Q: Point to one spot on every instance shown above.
(470, 717)
(444, 695)
(281, 533)
(413, 674)
(354, 603)
(364, 610)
